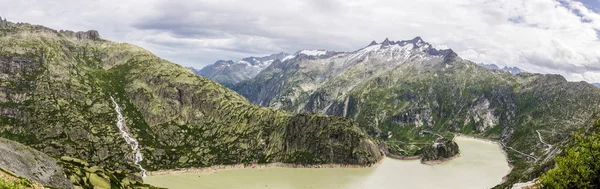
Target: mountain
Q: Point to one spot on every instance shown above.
(596, 84)
(114, 110)
(406, 93)
(229, 73)
(512, 70)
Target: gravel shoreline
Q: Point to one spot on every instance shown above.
(217, 168)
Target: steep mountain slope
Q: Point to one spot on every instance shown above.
(63, 92)
(406, 92)
(228, 73)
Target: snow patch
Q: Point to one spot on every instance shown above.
(243, 62)
(313, 52)
(288, 57)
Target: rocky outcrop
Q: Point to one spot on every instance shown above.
(441, 149)
(32, 164)
(82, 35)
(3, 21)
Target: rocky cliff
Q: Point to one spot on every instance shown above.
(57, 91)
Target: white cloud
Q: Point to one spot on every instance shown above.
(547, 36)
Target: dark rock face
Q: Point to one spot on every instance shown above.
(91, 35)
(82, 35)
(32, 164)
(440, 150)
(3, 22)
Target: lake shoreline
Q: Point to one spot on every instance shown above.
(500, 145)
(397, 157)
(217, 168)
(479, 165)
(443, 160)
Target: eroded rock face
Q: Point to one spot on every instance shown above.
(32, 164)
(440, 150)
(482, 115)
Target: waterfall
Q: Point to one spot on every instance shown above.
(132, 142)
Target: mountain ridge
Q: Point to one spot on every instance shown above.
(229, 72)
(512, 70)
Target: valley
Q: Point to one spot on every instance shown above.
(81, 111)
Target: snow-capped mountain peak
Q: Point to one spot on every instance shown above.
(388, 53)
(307, 53)
(405, 47)
(373, 43)
(417, 42)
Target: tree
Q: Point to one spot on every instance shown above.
(579, 167)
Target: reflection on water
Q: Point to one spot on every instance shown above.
(481, 165)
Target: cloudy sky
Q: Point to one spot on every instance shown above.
(547, 36)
